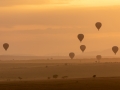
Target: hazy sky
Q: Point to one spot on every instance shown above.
(50, 27)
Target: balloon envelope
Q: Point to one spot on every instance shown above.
(5, 46)
(71, 55)
(98, 57)
(115, 49)
(80, 37)
(82, 47)
(98, 25)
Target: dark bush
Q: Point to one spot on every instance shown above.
(94, 76)
(55, 76)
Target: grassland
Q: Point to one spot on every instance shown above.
(33, 75)
(110, 83)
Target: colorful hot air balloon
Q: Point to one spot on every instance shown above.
(98, 57)
(98, 25)
(82, 47)
(6, 46)
(115, 49)
(80, 37)
(71, 55)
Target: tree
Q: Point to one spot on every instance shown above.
(20, 78)
(55, 76)
(94, 76)
(64, 77)
(49, 77)
(66, 64)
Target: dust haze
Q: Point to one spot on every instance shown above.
(59, 45)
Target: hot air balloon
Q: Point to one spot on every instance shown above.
(80, 37)
(98, 25)
(115, 49)
(82, 47)
(98, 57)
(71, 55)
(6, 46)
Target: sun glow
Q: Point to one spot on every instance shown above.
(95, 2)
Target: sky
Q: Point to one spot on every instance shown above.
(50, 27)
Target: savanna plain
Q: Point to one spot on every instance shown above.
(60, 74)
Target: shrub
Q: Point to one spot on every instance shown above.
(20, 78)
(55, 76)
(49, 77)
(64, 77)
(66, 64)
(94, 76)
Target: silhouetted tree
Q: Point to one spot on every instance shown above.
(55, 76)
(49, 77)
(94, 76)
(64, 77)
(65, 63)
(20, 78)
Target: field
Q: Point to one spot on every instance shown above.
(33, 75)
(67, 84)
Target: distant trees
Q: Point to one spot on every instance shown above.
(66, 64)
(20, 78)
(49, 77)
(64, 77)
(94, 76)
(55, 76)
